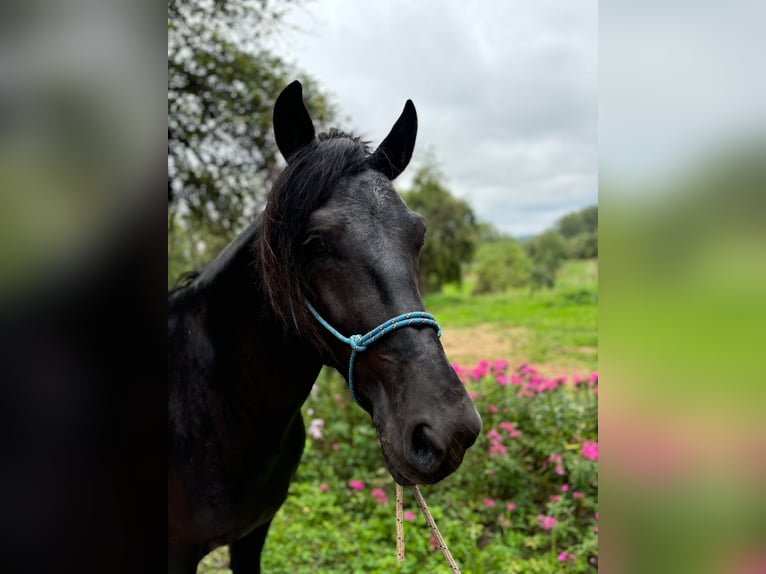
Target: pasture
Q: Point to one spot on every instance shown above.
(525, 498)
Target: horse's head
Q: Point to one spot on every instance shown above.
(338, 235)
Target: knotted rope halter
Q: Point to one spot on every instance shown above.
(359, 344)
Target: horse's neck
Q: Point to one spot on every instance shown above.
(259, 371)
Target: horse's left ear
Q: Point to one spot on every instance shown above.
(293, 128)
(393, 155)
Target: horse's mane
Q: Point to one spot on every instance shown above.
(184, 280)
(303, 187)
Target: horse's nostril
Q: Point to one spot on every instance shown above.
(426, 447)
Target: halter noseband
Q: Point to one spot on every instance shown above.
(359, 343)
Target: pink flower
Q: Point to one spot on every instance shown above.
(323, 487)
(379, 495)
(506, 426)
(356, 484)
(546, 522)
(506, 522)
(409, 516)
(497, 448)
(511, 506)
(590, 450)
(595, 516)
(595, 529)
(492, 408)
(571, 556)
(500, 365)
(502, 380)
(315, 428)
(555, 497)
(335, 446)
(594, 377)
(564, 488)
(577, 494)
(560, 470)
(434, 547)
(527, 370)
(515, 433)
(562, 556)
(492, 434)
(489, 503)
(472, 395)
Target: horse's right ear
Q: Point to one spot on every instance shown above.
(293, 128)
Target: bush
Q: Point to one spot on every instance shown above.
(547, 252)
(501, 265)
(583, 246)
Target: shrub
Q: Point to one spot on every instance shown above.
(501, 265)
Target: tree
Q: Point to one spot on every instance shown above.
(580, 230)
(452, 229)
(547, 251)
(500, 265)
(222, 83)
(590, 218)
(571, 224)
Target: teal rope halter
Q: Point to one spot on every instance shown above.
(359, 343)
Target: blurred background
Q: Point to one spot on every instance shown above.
(682, 184)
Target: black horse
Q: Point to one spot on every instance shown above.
(244, 348)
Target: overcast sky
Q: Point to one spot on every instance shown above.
(506, 93)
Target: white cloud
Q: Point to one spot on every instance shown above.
(506, 92)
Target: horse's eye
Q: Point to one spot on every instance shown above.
(315, 244)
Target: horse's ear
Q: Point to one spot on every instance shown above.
(293, 128)
(393, 155)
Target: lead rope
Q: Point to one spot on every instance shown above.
(399, 524)
(440, 544)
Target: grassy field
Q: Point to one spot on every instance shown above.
(327, 527)
(554, 328)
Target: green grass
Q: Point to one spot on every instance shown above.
(562, 322)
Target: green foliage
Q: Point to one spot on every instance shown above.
(571, 224)
(500, 265)
(578, 222)
(583, 246)
(452, 230)
(547, 251)
(222, 84)
(590, 218)
(580, 231)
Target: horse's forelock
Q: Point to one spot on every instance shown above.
(303, 187)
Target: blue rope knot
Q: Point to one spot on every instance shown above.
(359, 343)
(355, 341)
